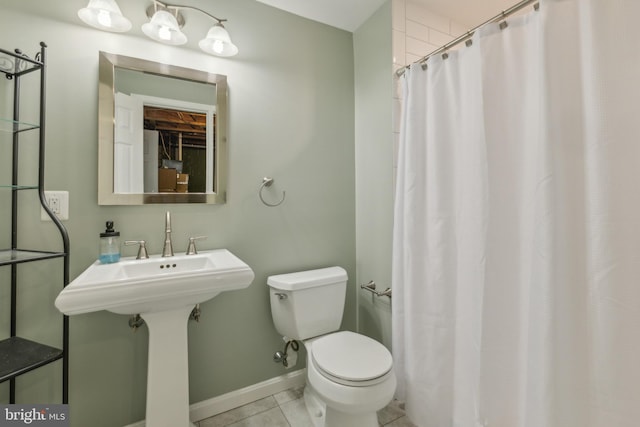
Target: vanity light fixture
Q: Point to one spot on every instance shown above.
(165, 28)
(104, 15)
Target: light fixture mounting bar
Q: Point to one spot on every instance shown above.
(178, 6)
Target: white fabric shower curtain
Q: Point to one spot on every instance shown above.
(516, 267)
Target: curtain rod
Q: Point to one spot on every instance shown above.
(513, 9)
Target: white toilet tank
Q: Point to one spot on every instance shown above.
(308, 303)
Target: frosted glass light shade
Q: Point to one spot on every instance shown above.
(104, 15)
(164, 28)
(217, 42)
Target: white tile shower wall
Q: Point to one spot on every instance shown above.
(416, 32)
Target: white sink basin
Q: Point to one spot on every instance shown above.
(163, 291)
(148, 285)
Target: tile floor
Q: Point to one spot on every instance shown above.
(286, 409)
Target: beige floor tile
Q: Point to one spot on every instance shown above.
(296, 413)
(271, 418)
(391, 412)
(288, 395)
(237, 414)
(401, 422)
(287, 409)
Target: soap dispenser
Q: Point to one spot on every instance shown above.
(109, 245)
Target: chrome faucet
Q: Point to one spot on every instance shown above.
(167, 249)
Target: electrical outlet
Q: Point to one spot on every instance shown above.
(58, 202)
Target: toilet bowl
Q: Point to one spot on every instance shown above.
(352, 375)
(349, 376)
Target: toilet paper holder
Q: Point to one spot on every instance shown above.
(371, 287)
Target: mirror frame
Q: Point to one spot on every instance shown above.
(106, 121)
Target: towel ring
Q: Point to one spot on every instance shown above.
(266, 182)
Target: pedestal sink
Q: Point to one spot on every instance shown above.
(163, 291)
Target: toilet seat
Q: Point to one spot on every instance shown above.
(351, 359)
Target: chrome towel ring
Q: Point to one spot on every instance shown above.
(266, 182)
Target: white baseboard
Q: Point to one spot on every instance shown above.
(219, 404)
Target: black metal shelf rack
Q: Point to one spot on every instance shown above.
(19, 355)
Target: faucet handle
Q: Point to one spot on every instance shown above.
(142, 248)
(191, 249)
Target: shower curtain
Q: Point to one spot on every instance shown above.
(516, 266)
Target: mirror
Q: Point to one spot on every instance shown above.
(161, 133)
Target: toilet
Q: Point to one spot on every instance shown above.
(349, 376)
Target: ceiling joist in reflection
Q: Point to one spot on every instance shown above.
(189, 123)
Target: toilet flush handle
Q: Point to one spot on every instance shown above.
(280, 295)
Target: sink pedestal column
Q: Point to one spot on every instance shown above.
(168, 368)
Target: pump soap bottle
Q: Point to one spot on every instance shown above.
(109, 245)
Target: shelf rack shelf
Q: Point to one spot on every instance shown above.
(19, 355)
(10, 126)
(16, 256)
(16, 63)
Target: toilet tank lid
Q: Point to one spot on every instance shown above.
(307, 279)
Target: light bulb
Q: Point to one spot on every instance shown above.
(218, 46)
(104, 18)
(164, 33)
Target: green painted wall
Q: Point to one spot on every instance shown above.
(374, 170)
(291, 101)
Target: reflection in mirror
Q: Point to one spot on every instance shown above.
(177, 139)
(162, 134)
